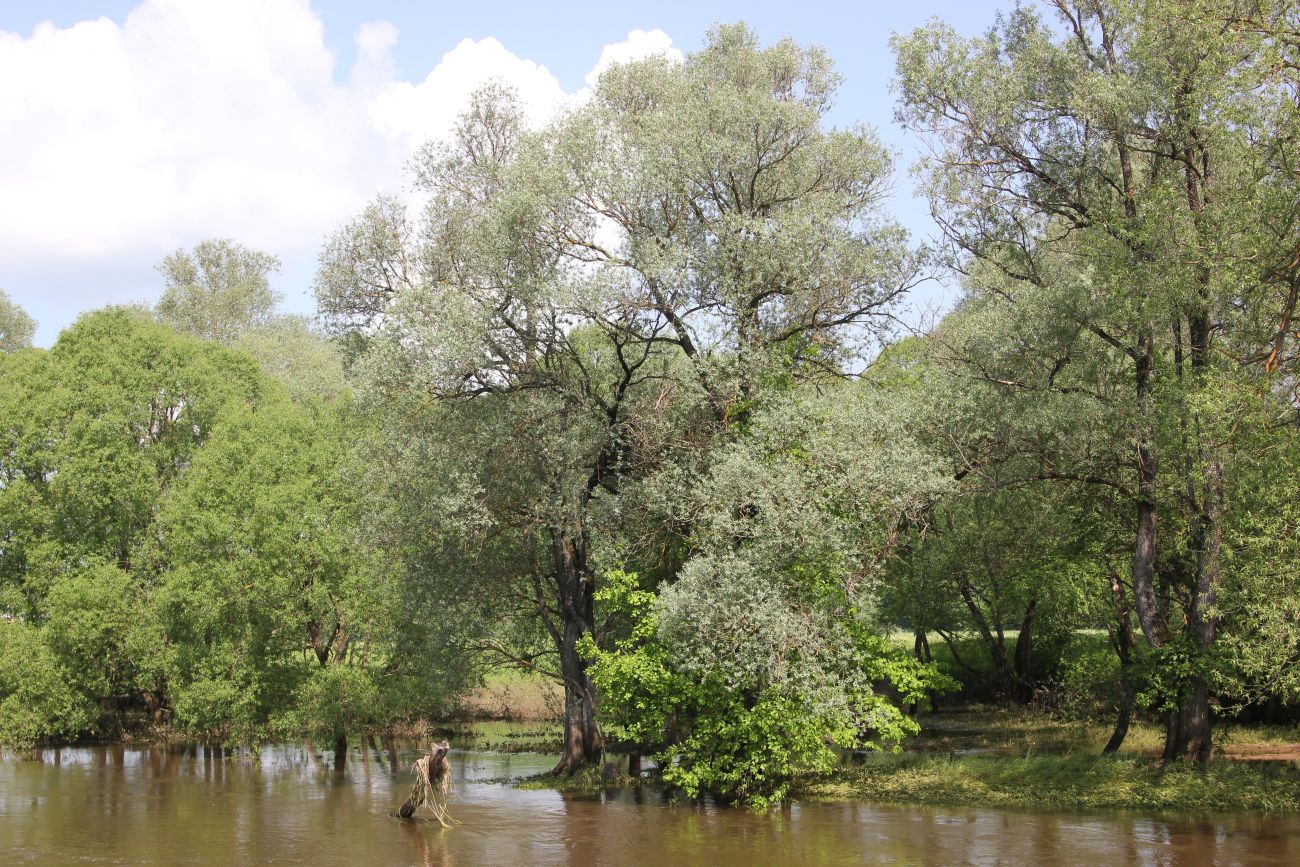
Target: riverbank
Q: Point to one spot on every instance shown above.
(1070, 783)
(1016, 758)
(1075, 782)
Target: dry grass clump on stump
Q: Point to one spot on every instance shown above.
(432, 783)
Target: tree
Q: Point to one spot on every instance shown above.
(295, 354)
(94, 434)
(1123, 176)
(16, 327)
(278, 617)
(217, 291)
(691, 231)
(763, 657)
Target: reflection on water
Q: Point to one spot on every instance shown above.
(196, 805)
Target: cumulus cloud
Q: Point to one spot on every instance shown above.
(639, 44)
(195, 119)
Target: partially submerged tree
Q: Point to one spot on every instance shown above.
(764, 657)
(179, 543)
(94, 434)
(691, 232)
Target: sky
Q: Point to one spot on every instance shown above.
(130, 129)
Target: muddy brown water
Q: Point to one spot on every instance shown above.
(174, 805)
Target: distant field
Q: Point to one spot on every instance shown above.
(513, 696)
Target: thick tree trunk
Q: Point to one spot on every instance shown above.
(1187, 728)
(1144, 550)
(583, 742)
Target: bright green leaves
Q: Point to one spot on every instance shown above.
(267, 582)
(16, 327)
(181, 537)
(36, 700)
(745, 733)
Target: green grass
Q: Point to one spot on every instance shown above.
(590, 780)
(1064, 782)
(502, 736)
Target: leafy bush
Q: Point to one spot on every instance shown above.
(741, 734)
(36, 701)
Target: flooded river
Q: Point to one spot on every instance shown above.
(170, 805)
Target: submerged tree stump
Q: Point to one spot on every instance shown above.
(432, 783)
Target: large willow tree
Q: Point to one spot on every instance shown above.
(619, 284)
(1120, 184)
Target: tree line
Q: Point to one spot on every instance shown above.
(626, 400)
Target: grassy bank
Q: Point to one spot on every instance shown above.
(514, 696)
(1042, 782)
(1016, 758)
(1064, 783)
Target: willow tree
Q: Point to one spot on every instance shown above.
(691, 230)
(1125, 172)
(218, 290)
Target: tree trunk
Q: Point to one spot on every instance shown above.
(583, 742)
(1188, 733)
(1024, 662)
(1187, 728)
(1124, 650)
(340, 751)
(1144, 550)
(1122, 719)
(921, 647)
(996, 644)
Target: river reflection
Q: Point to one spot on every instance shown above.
(197, 805)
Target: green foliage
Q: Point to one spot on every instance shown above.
(98, 628)
(36, 701)
(297, 356)
(267, 588)
(1088, 685)
(182, 539)
(1078, 782)
(16, 327)
(749, 740)
(218, 291)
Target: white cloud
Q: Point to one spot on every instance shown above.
(198, 118)
(639, 44)
(418, 112)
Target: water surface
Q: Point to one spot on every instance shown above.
(174, 805)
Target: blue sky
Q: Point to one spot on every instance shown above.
(270, 121)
